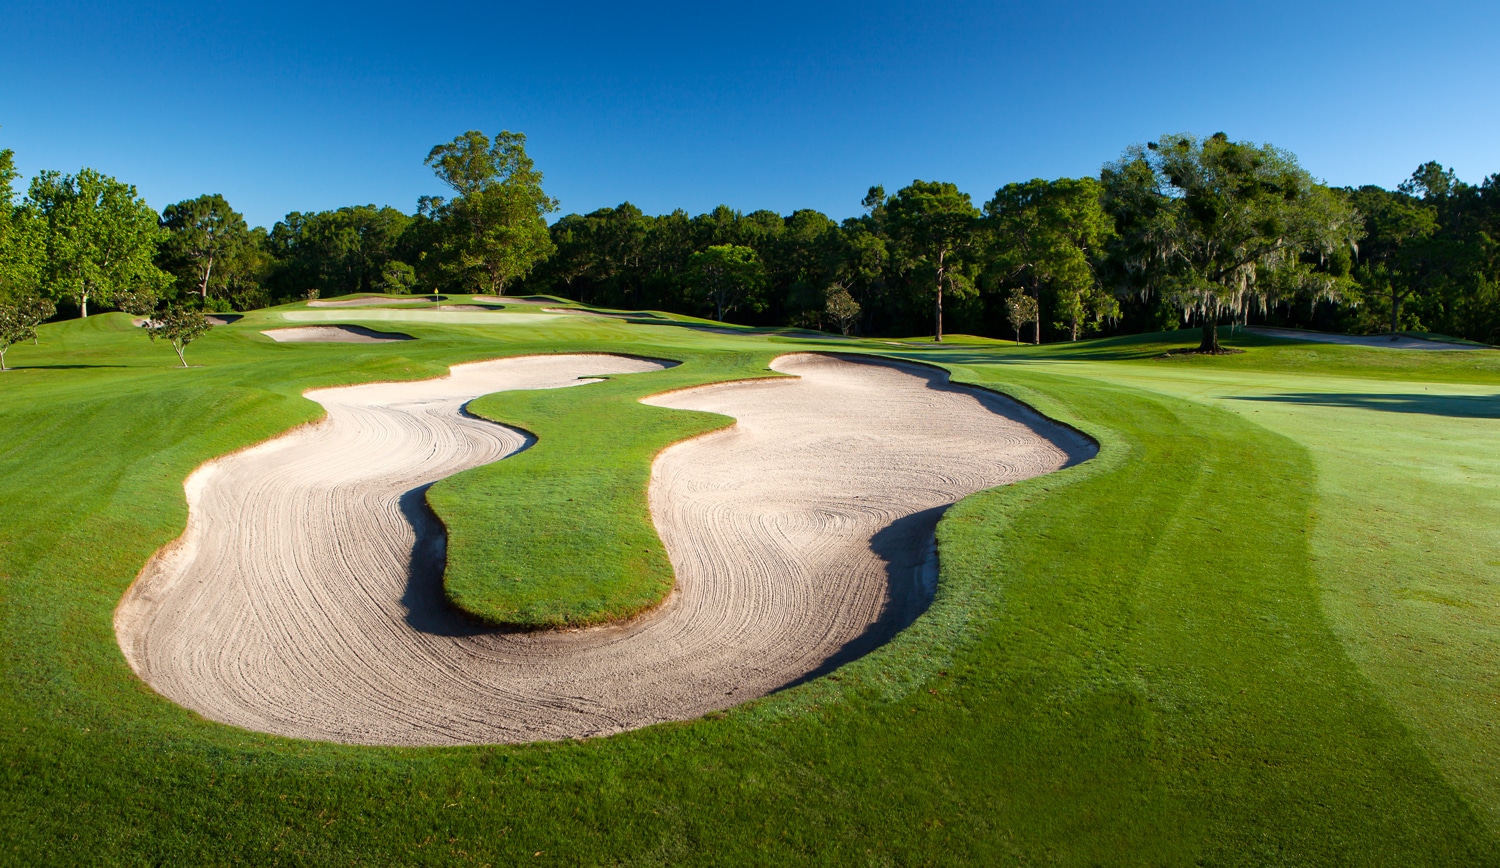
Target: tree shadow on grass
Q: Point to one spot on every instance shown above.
(1454, 406)
(61, 367)
(906, 546)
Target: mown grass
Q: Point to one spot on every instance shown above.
(1405, 540)
(1127, 662)
(561, 534)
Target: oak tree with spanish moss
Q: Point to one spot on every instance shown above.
(1221, 225)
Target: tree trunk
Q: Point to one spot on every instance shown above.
(939, 331)
(203, 287)
(180, 356)
(83, 305)
(2, 359)
(1210, 342)
(1074, 323)
(1036, 334)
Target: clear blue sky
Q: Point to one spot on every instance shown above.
(306, 106)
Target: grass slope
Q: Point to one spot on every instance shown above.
(561, 534)
(1131, 661)
(1405, 540)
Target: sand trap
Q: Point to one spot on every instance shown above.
(420, 315)
(304, 599)
(369, 300)
(339, 334)
(517, 299)
(1384, 342)
(218, 319)
(581, 312)
(622, 314)
(471, 307)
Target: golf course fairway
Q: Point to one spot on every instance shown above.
(1259, 627)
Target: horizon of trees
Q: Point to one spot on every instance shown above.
(1178, 232)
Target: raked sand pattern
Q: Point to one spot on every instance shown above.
(305, 597)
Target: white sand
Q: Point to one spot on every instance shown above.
(369, 300)
(304, 599)
(574, 311)
(217, 319)
(340, 334)
(419, 315)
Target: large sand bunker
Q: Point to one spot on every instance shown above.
(337, 334)
(305, 597)
(372, 300)
(517, 299)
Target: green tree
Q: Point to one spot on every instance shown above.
(135, 303)
(20, 239)
(1021, 309)
(19, 321)
(933, 223)
(1048, 234)
(179, 326)
(842, 307)
(727, 276)
(36, 310)
(340, 251)
(14, 328)
(397, 278)
(496, 228)
(100, 237)
(1231, 224)
(1394, 251)
(201, 233)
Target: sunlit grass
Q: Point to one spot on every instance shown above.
(1148, 658)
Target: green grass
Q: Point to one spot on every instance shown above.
(1178, 653)
(561, 534)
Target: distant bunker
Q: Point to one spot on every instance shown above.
(218, 319)
(340, 334)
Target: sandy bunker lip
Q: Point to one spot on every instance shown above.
(340, 334)
(218, 319)
(305, 598)
(374, 300)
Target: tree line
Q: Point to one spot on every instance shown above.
(1178, 231)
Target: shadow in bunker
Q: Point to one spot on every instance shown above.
(904, 545)
(427, 607)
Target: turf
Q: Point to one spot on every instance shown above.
(1149, 658)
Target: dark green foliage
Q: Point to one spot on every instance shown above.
(208, 247)
(494, 232)
(98, 237)
(336, 252)
(1226, 225)
(726, 277)
(933, 225)
(1099, 257)
(178, 326)
(1048, 236)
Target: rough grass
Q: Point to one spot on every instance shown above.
(1133, 661)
